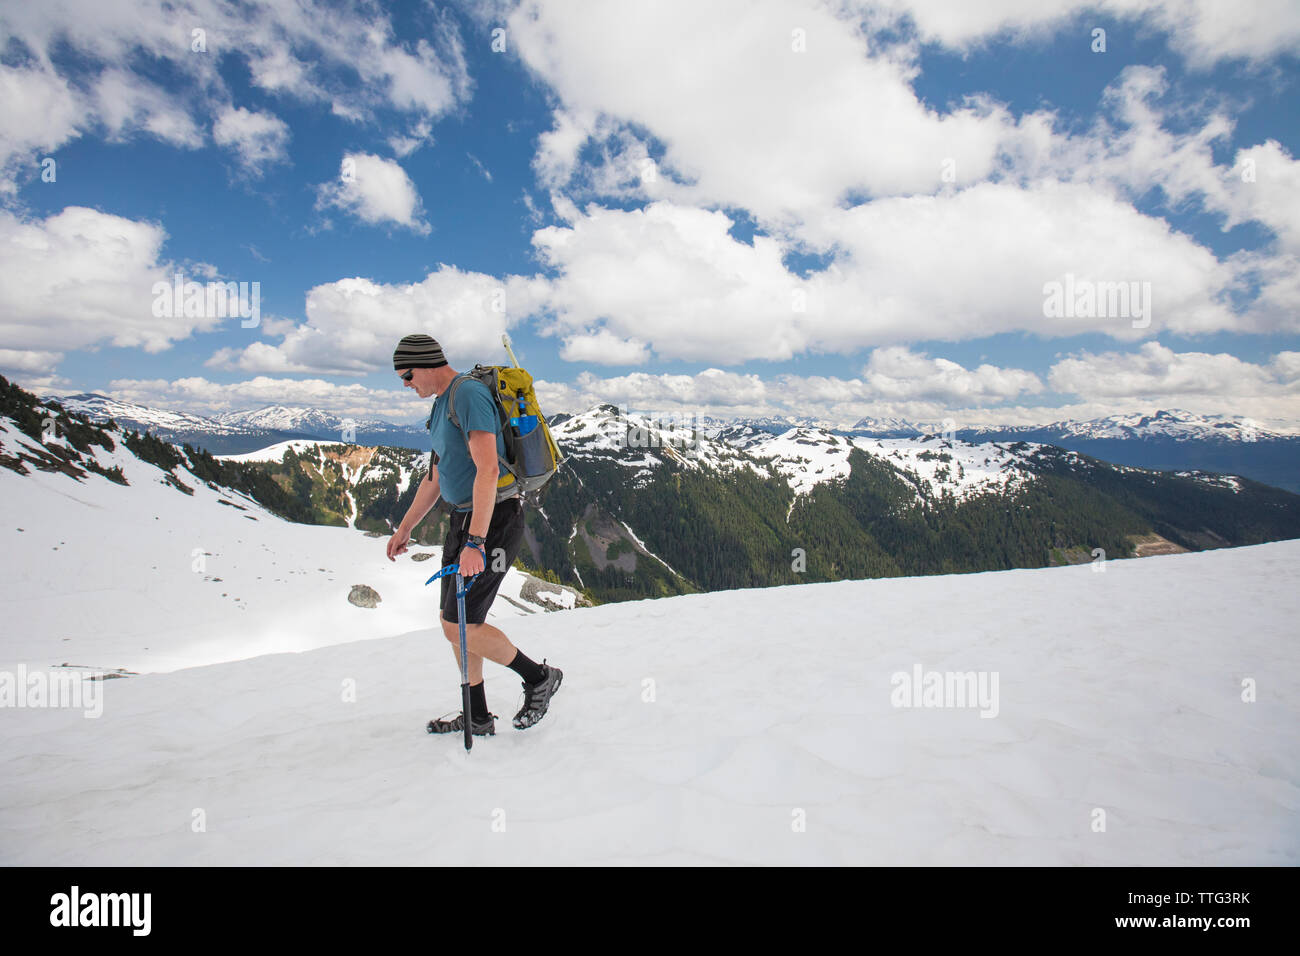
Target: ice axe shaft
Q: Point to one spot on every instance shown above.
(462, 587)
(465, 711)
(505, 340)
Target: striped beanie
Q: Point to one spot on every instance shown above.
(418, 351)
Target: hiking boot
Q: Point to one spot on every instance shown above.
(456, 725)
(537, 697)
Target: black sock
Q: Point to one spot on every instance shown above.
(530, 671)
(478, 701)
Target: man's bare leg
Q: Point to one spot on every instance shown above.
(482, 640)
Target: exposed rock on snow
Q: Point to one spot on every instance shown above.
(364, 596)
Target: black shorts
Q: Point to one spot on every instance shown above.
(506, 532)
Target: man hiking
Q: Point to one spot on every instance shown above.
(464, 468)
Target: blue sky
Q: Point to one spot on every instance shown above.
(728, 209)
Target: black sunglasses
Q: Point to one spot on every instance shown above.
(408, 375)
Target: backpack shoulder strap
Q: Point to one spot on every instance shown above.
(451, 399)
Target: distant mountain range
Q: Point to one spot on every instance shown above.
(643, 508)
(1171, 423)
(233, 433)
(1168, 440)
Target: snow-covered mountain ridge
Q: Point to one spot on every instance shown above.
(806, 456)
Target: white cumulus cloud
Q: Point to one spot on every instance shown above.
(1205, 31)
(1155, 370)
(353, 325)
(375, 190)
(257, 139)
(82, 278)
(898, 373)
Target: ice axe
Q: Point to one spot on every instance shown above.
(462, 588)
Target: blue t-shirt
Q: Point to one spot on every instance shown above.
(477, 413)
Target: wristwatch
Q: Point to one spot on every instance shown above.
(477, 539)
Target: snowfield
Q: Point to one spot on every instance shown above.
(746, 727)
(148, 578)
(276, 452)
(1133, 712)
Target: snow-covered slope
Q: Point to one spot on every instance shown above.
(1120, 735)
(276, 452)
(147, 577)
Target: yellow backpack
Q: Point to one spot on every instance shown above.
(532, 457)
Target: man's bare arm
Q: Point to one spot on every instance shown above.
(483, 449)
(426, 496)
